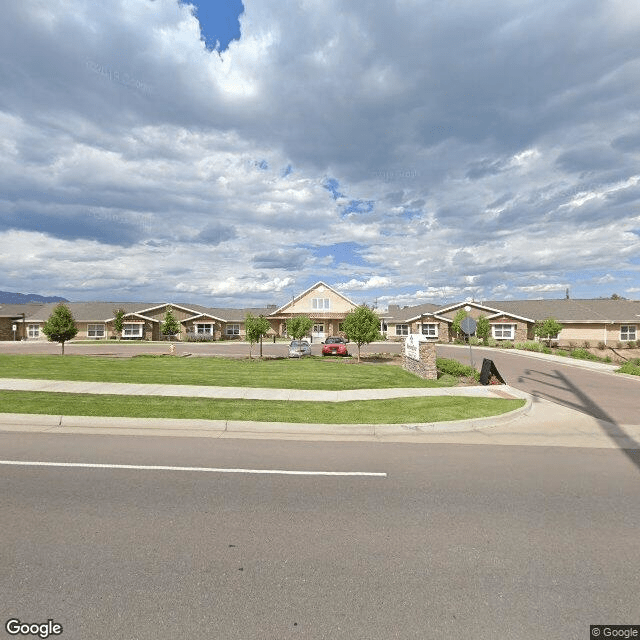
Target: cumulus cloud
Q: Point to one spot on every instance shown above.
(375, 282)
(464, 149)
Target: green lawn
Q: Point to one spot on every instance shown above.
(308, 373)
(400, 410)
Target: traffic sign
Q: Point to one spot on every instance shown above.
(468, 325)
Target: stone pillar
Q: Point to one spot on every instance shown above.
(425, 365)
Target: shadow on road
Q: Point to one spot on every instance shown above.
(582, 402)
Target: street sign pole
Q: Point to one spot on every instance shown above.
(468, 325)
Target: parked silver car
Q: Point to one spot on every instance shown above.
(299, 348)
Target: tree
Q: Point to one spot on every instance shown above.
(457, 321)
(362, 326)
(60, 326)
(118, 322)
(483, 329)
(170, 326)
(299, 326)
(548, 329)
(255, 329)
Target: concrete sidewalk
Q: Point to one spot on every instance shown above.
(249, 393)
(538, 423)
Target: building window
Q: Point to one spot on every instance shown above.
(430, 330)
(204, 329)
(233, 329)
(95, 330)
(318, 328)
(320, 303)
(33, 331)
(402, 329)
(504, 331)
(627, 332)
(131, 330)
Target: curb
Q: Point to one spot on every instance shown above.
(67, 424)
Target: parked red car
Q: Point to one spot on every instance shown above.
(334, 347)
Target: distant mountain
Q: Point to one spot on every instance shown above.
(7, 297)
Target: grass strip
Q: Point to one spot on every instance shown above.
(392, 411)
(308, 373)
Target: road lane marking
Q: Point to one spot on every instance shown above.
(91, 465)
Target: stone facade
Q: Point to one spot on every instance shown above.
(426, 366)
(523, 330)
(6, 331)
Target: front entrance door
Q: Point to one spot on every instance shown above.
(318, 332)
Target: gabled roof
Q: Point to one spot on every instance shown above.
(86, 311)
(477, 305)
(304, 293)
(509, 314)
(135, 315)
(173, 306)
(15, 310)
(235, 316)
(203, 315)
(415, 313)
(575, 310)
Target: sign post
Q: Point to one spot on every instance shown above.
(15, 328)
(468, 325)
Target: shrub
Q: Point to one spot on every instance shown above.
(547, 350)
(492, 342)
(527, 346)
(607, 359)
(456, 369)
(602, 346)
(631, 367)
(619, 345)
(631, 344)
(583, 354)
(586, 344)
(572, 345)
(507, 344)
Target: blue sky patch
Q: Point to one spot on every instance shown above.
(219, 21)
(342, 252)
(332, 185)
(358, 206)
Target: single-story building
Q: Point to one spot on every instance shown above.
(593, 321)
(326, 307)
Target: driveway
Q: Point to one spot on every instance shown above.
(603, 395)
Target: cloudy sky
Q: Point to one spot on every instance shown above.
(403, 151)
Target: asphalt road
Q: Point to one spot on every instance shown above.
(456, 541)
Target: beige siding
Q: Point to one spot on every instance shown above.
(337, 304)
(579, 332)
